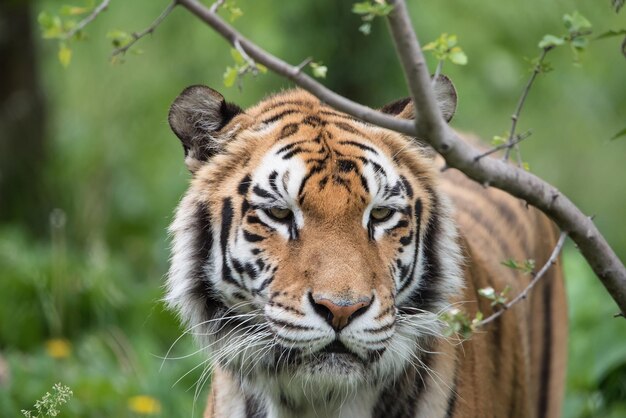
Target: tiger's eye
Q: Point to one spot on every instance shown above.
(279, 213)
(381, 214)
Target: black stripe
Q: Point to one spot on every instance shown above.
(485, 221)
(396, 190)
(252, 219)
(364, 183)
(287, 131)
(252, 237)
(227, 221)
(406, 240)
(346, 166)
(417, 211)
(348, 128)
(280, 116)
(339, 181)
(453, 393)
(286, 308)
(254, 408)
(401, 224)
(295, 151)
(400, 398)
(339, 115)
(203, 244)
(427, 293)
(245, 206)
(291, 145)
(306, 178)
(359, 145)
(287, 325)
(407, 187)
(272, 181)
(262, 192)
(313, 121)
(282, 103)
(546, 348)
(265, 283)
(380, 329)
(244, 185)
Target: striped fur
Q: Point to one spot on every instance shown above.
(252, 285)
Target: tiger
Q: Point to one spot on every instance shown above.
(314, 256)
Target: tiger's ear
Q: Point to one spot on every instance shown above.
(445, 93)
(197, 116)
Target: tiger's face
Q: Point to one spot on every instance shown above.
(310, 246)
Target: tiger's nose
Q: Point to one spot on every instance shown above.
(339, 313)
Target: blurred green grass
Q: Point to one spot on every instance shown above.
(114, 173)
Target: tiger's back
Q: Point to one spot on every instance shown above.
(521, 356)
(313, 255)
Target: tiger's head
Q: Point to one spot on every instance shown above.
(310, 246)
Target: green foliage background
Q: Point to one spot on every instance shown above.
(114, 173)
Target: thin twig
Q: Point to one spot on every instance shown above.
(251, 64)
(92, 16)
(438, 70)
(520, 104)
(458, 153)
(215, 6)
(524, 293)
(304, 63)
(293, 73)
(518, 138)
(150, 29)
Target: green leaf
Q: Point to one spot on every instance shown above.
(510, 263)
(230, 76)
(65, 55)
(430, 46)
(551, 41)
(529, 266)
(580, 42)
(262, 68)
(235, 13)
(233, 10)
(365, 28)
(73, 10)
(237, 57)
(362, 8)
(576, 22)
(45, 20)
(611, 34)
(500, 139)
(525, 166)
(68, 25)
(620, 134)
(319, 70)
(51, 25)
(457, 56)
(451, 41)
(487, 292)
(119, 38)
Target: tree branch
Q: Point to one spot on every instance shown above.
(537, 276)
(457, 153)
(522, 100)
(90, 18)
(150, 29)
(293, 73)
(518, 138)
(513, 180)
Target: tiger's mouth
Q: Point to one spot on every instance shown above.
(337, 347)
